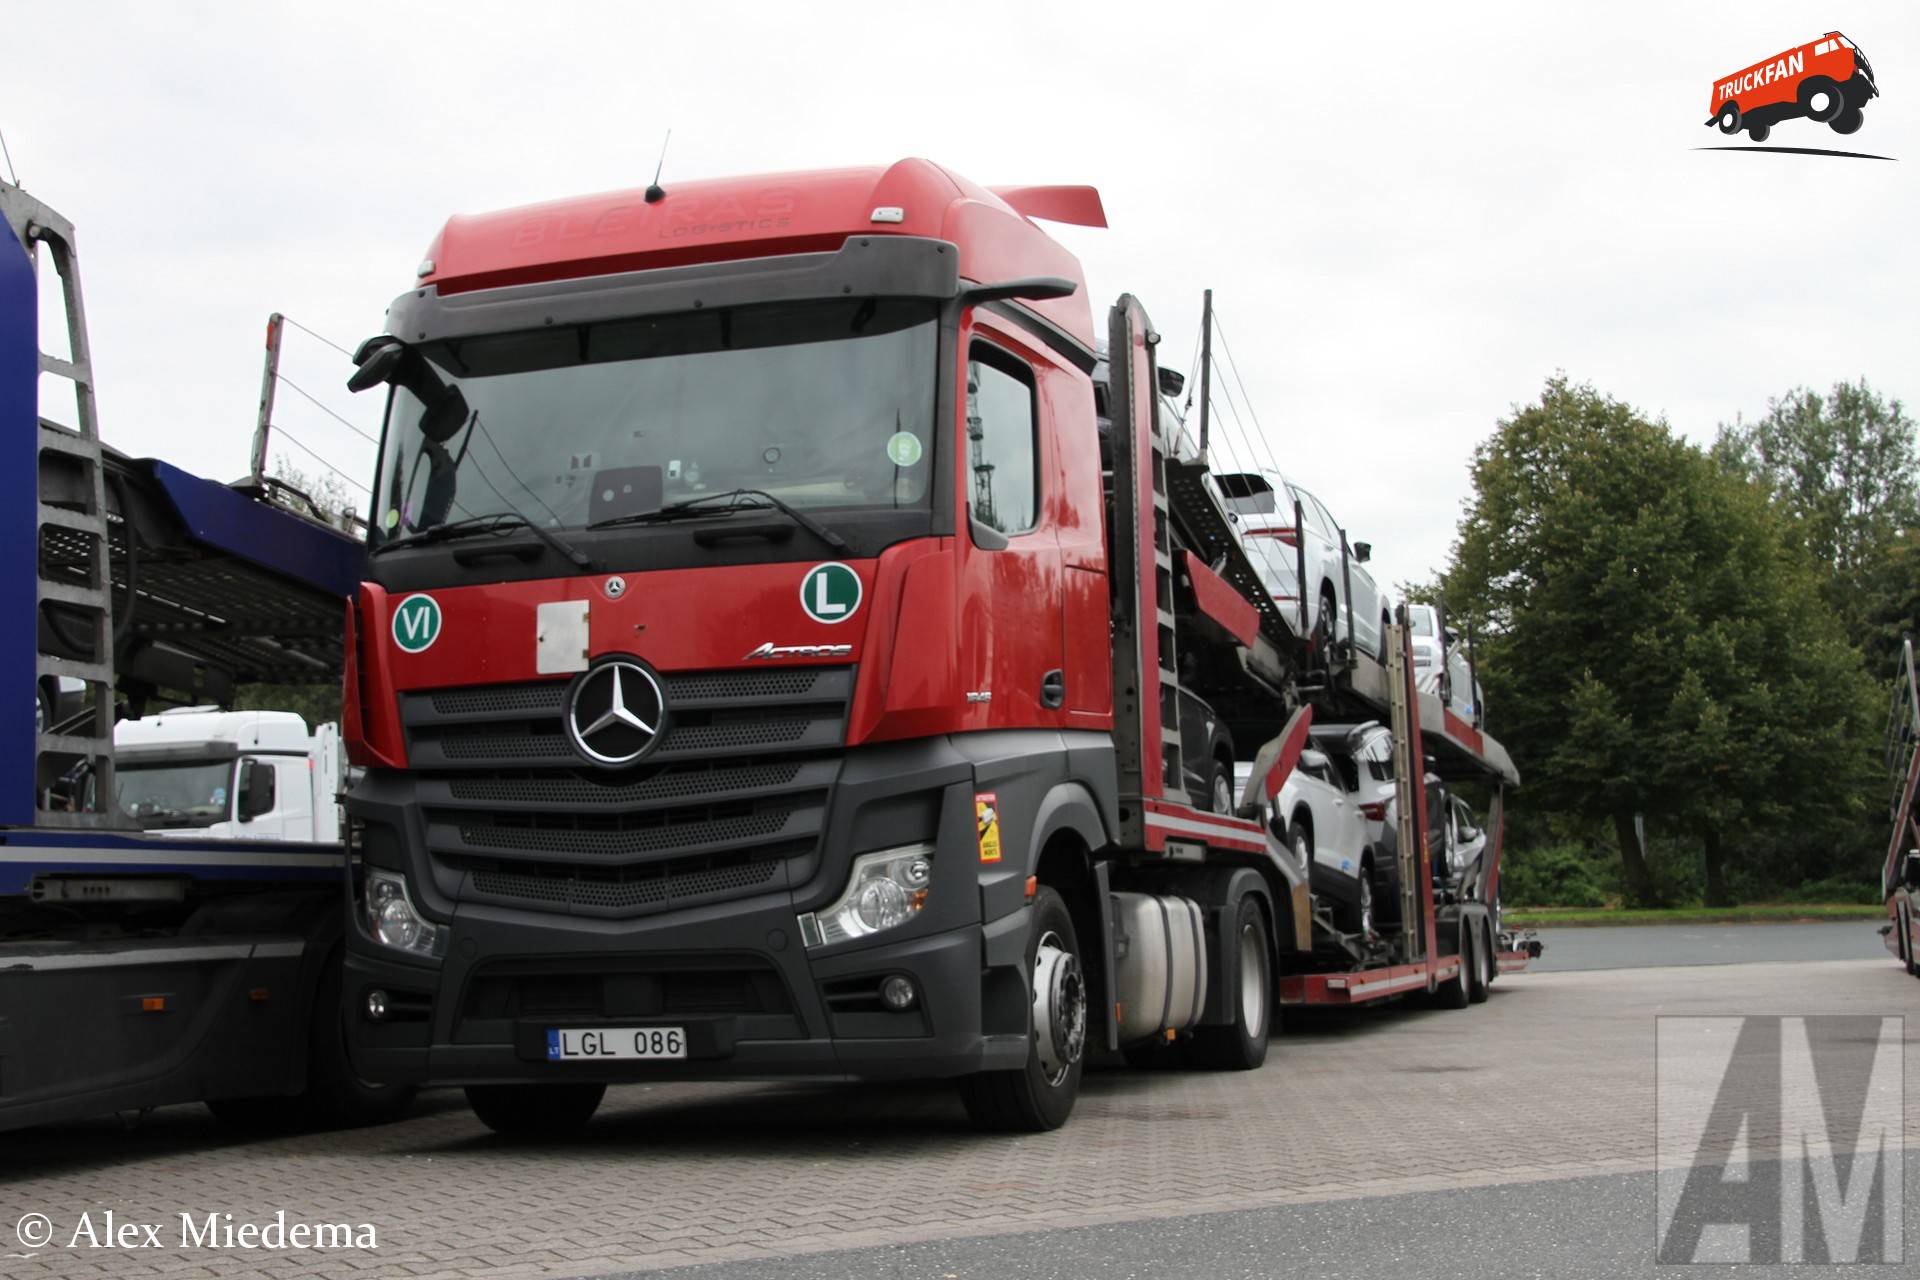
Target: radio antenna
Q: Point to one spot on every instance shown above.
(655, 192)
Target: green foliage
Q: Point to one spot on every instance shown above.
(1554, 875)
(1843, 468)
(1652, 633)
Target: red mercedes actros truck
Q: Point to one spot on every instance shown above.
(791, 646)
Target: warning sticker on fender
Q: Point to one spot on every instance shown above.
(986, 816)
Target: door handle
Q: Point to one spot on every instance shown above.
(1053, 689)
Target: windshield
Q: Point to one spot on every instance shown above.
(190, 794)
(825, 405)
(1422, 619)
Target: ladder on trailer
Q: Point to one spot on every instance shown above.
(1410, 796)
(1903, 768)
(77, 610)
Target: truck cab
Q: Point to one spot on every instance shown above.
(254, 775)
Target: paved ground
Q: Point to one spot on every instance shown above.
(1548, 1081)
(1655, 946)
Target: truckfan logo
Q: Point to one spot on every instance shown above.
(616, 712)
(1827, 81)
(1779, 1139)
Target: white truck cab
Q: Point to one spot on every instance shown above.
(247, 775)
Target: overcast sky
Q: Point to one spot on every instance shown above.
(1411, 214)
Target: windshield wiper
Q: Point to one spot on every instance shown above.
(496, 523)
(692, 507)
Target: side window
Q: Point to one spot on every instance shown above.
(1002, 446)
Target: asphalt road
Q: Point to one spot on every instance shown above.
(1660, 946)
(1568, 1229)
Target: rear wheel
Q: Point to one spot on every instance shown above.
(1327, 629)
(1300, 840)
(1040, 1095)
(1242, 1044)
(1222, 787)
(1729, 118)
(534, 1110)
(1848, 121)
(1906, 942)
(1480, 978)
(1453, 992)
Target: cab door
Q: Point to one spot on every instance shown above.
(1011, 590)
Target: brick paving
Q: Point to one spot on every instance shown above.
(1551, 1078)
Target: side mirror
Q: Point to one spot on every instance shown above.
(1026, 289)
(256, 789)
(1172, 382)
(1363, 551)
(379, 359)
(1910, 873)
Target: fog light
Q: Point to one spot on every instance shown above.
(376, 1005)
(897, 993)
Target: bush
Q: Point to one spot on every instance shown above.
(1837, 889)
(1554, 875)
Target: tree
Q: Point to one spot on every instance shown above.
(1844, 467)
(1651, 633)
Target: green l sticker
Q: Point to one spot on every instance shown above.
(830, 592)
(416, 623)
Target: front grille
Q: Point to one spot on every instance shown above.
(731, 802)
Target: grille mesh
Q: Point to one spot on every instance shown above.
(616, 894)
(653, 839)
(676, 784)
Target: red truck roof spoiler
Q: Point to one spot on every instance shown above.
(1078, 206)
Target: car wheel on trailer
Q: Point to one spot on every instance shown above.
(1039, 1096)
(1729, 118)
(42, 708)
(1848, 121)
(535, 1110)
(1222, 787)
(1481, 977)
(1363, 907)
(1241, 1045)
(1300, 840)
(1326, 629)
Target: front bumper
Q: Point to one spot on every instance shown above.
(752, 1002)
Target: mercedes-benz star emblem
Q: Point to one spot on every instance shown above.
(616, 712)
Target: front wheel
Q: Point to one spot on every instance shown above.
(534, 1110)
(1454, 992)
(1759, 132)
(1848, 121)
(1821, 99)
(1326, 630)
(1039, 1096)
(1222, 787)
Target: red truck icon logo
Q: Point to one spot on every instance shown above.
(1827, 80)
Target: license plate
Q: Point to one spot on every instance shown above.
(564, 1045)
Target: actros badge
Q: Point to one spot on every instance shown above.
(616, 712)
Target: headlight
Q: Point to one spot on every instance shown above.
(388, 915)
(886, 889)
(1422, 660)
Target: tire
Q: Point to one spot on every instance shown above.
(1242, 1044)
(335, 1097)
(1479, 980)
(1300, 840)
(535, 1110)
(42, 708)
(1039, 1096)
(1222, 796)
(1729, 119)
(1905, 919)
(1364, 917)
(1453, 993)
(1759, 132)
(1816, 86)
(1848, 121)
(1326, 630)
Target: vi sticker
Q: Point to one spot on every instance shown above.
(416, 623)
(830, 592)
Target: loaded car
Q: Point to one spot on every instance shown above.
(1442, 664)
(1264, 503)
